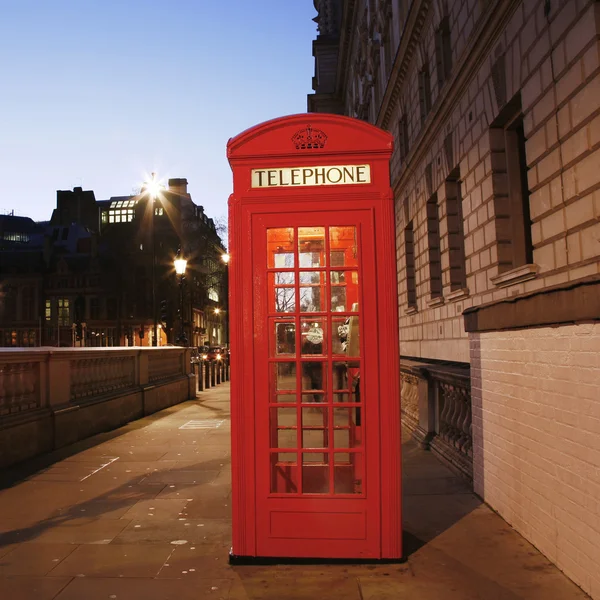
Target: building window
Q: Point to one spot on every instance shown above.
(456, 238)
(443, 52)
(22, 238)
(424, 92)
(48, 310)
(403, 138)
(159, 211)
(63, 312)
(388, 49)
(94, 308)
(511, 192)
(409, 250)
(111, 308)
(28, 303)
(433, 237)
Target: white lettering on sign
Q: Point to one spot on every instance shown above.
(304, 176)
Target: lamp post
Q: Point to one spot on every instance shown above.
(226, 258)
(180, 266)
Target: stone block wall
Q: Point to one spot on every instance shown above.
(536, 439)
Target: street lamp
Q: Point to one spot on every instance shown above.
(180, 265)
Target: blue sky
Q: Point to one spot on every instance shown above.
(97, 93)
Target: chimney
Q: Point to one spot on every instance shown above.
(179, 186)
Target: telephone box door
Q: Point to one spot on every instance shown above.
(316, 410)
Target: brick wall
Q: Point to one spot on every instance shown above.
(536, 439)
(553, 61)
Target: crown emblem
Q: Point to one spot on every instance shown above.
(309, 138)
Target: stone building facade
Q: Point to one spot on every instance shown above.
(86, 277)
(495, 109)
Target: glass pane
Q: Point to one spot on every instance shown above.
(280, 248)
(344, 291)
(312, 336)
(312, 398)
(286, 398)
(284, 473)
(314, 416)
(339, 334)
(315, 475)
(284, 278)
(284, 375)
(283, 428)
(311, 246)
(341, 438)
(343, 246)
(347, 473)
(312, 291)
(285, 300)
(286, 438)
(283, 417)
(313, 374)
(315, 277)
(284, 341)
(315, 438)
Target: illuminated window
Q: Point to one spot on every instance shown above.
(104, 216)
(213, 294)
(159, 210)
(63, 311)
(48, 310)
(16, 237)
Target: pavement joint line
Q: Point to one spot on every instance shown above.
(112, 460)
(203, 424)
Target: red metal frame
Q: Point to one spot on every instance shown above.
(350, 506)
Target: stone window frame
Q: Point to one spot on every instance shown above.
(443, 51)
(511, 197)
(403, 138)
(409, 257)
(424, 79)
(434, 250)
(456, 236)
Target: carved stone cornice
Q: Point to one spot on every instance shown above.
(409, 41)
(347, 29)
(486, 33)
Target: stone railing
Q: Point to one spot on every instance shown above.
(101, 375)
(436, 409)
(50, 397)
(19, 387)
(163, 367)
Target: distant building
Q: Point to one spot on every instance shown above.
(495, 111)
(86, 276)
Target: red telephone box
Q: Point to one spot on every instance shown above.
(315, 401)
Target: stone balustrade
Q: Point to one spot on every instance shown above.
(50, 397)
(436, 410)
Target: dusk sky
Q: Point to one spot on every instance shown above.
(98, 93)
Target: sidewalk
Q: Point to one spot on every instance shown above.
(143, 512)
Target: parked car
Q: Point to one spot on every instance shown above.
(203, 350)
(195, 356)
(215, 353)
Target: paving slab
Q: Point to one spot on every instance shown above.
(114, 560)
(30, 588)
(34, 559)
(156, 524)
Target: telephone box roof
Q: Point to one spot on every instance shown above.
(317, 134)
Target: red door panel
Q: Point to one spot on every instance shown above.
(315, 368)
